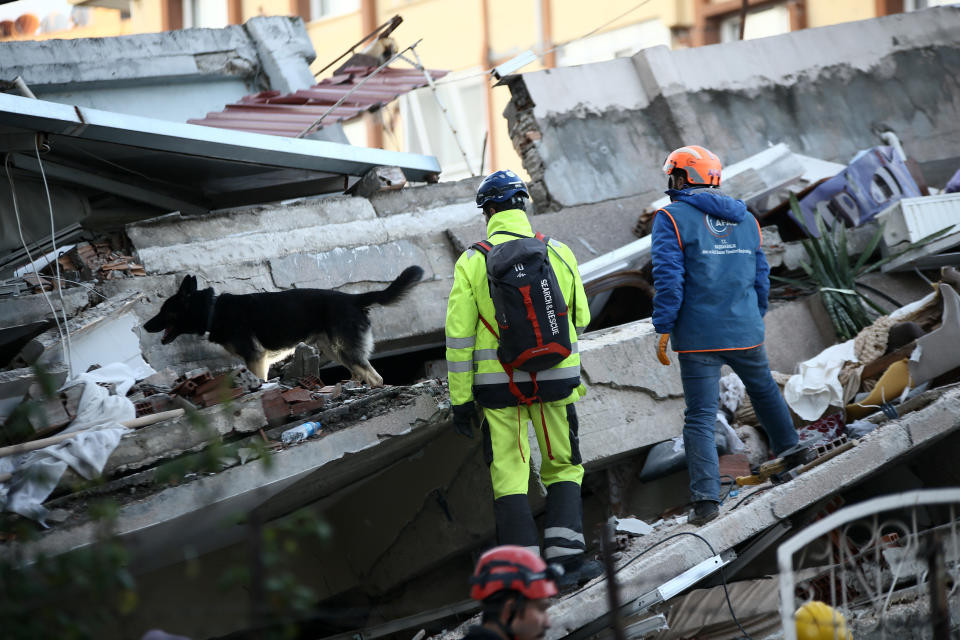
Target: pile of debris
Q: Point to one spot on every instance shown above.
(223, 407)
(73, 265)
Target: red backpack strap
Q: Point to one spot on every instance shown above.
(483, 247)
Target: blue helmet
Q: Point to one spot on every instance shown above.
(500, 186)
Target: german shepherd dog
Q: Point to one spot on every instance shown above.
(262, 328)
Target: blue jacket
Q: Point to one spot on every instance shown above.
(710, 274)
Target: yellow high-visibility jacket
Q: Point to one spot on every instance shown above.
(473, 370)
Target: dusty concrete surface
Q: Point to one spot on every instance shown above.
(344, 243)
(590, 230)
(796, 331)
(425, 197)
(601, 130)
(17, 310)
(195, 508)
(878, 450)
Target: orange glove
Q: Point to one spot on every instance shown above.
(662, 349)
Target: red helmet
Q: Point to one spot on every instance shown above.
(701, 165)
(512, 568)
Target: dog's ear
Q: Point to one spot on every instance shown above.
(189, 284)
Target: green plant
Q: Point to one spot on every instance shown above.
(278, 597)
(832, 272)
(86, 593)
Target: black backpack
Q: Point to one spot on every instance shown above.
(531, 312)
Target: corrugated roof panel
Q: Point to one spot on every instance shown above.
(289, 114)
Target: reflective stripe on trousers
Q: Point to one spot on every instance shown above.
(563, 540)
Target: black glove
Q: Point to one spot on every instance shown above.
(465, 419)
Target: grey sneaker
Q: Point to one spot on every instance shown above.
(703, 512)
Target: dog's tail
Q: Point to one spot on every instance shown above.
(397, 289)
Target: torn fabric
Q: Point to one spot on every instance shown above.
(36, 473)
(817, 385)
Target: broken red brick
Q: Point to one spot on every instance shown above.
(735, 465)
(275, 408)
(297, 394)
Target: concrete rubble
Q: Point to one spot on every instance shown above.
(759, 509)
(405, 496)
(577, 127)
(179, 75)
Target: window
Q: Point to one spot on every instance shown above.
(760, 24)
(426, 130)
(326, 8)
(915, 5)
(209, 14)
(619, 43)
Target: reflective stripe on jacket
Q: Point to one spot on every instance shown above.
(473, 371)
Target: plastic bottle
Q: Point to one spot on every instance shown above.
(300, 433)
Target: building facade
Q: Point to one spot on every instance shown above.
(460, 120)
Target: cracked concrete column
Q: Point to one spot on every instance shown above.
(285, 51)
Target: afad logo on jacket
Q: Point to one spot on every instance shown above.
(718, 227)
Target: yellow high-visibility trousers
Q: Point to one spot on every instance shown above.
(507, 446)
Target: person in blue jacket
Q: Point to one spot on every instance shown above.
(711, 280)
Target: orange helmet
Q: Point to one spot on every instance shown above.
(701, 165)
(513, 568)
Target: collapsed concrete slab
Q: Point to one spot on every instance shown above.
(177, 74)
(147, 524)
(422, 487)
(344, 243)
(889, 444)
(601, 130)
(590, 231)
(17, 310)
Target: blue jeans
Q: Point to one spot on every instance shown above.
(701, 377)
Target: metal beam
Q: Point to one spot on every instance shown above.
(125, 188)
(207, 142)
(662, 593)
(750, 553)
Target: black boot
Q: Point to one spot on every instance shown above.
(577, 572)
(703, 511)
(515, 523)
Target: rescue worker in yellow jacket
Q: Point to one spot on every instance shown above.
(508, 401)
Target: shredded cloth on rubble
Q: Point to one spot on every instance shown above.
(36, 473)
(817, 385)
(732, 392)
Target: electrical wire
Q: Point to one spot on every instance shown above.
(551, 49)
(733, 484)
(723, 578)
(88, 287)
(750, 496)
(56, 260)
(23, 242)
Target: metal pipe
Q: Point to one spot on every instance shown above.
(23, 88)
(485, 63)
(545, 13)
(135, 423)
(607, 542)
(374, 125)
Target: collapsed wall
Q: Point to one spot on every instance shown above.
(345, 243)
(601, 130)
(403, 494)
